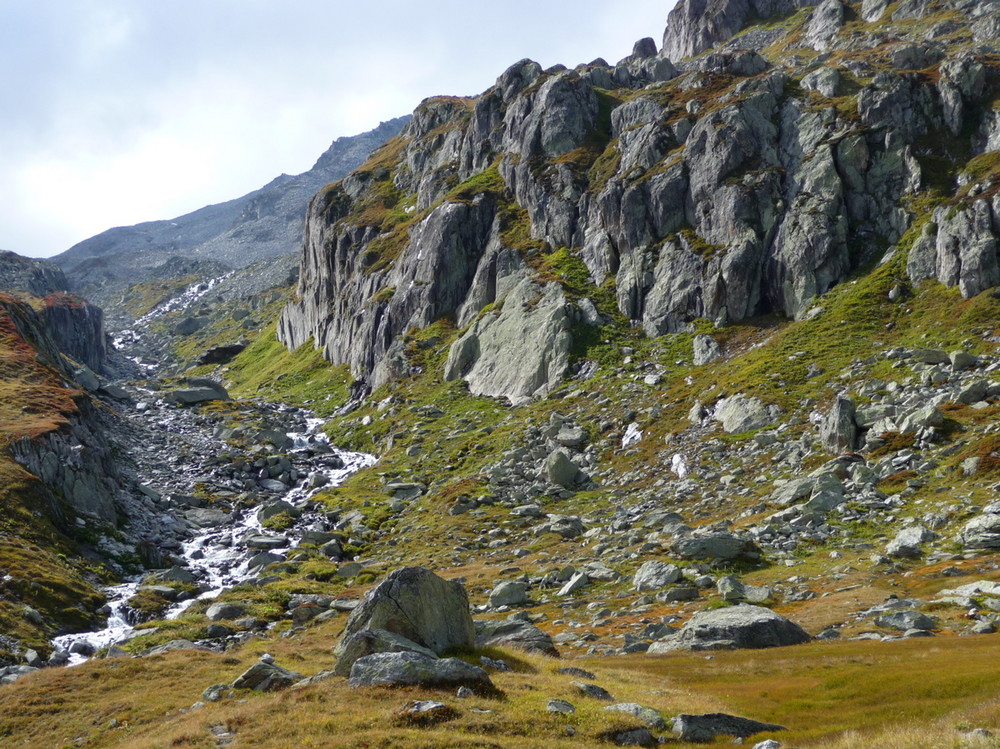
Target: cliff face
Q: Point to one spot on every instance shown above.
(751, 181)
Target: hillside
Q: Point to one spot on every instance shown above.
(685, 369)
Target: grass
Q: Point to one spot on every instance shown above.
(827, 694)
(302, 377)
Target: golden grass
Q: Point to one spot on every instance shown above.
(913, 693)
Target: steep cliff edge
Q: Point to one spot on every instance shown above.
(752, 182)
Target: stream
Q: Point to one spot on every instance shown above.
(200, 497)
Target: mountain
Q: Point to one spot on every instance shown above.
(261, 225)
(748, 180)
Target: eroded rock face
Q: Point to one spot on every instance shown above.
(416, 604)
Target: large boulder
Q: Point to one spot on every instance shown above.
(653, 575)
(706, 727)
(199, 390)
(514, 633)
(521, 352)
(732, 628)
(265, 676)
(414, 669)
(741, 413)
(370, 641)
(982, 532)
(416, 604)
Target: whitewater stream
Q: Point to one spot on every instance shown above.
(177, 452)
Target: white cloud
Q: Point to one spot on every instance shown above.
(119, 112)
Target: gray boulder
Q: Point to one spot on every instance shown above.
(905, 621)
(522, 352)
(741, 413)
(509, 593)
(413, 669)
(731, 628)
(514, 633)
(418, 605)
(223, 610)
(839, 431)
(560, 470)
(647, 715)
(706, 350)
(982, 532)
(370, 641)
(716, 546)
(706, 727)
(653, 575)
(906, 544)
(200, 390)
(266, 677)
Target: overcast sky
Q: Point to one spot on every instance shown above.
(121, 111)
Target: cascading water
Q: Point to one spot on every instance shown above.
(218, 557)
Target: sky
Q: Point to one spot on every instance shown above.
(121, 111)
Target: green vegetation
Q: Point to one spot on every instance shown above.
(302, 377)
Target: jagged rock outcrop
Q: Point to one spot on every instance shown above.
(37, 277)
(696, 25)
(722, 191)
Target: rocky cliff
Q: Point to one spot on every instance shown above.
(37, 277)
(749, 179)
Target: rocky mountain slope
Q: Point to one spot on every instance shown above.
(696, 352)
(261, 225)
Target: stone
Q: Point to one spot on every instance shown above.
(270, 509)
(962, 360)
(414, 669)
(418, 605)
(767, 744)
(653, 575)
(701, 728)
(647, 715)
(576, 583)
(514, 634)
(593, 691)
(905, 620)
(201, 391)
(907, 543)
(560, 470)
(634, 737)
(560, 706)
(741, 413)
(734, 627)
(509, 593)
(715, 546)
(266, 677)
(839, 431)
(982, 532)
(519, 354)
(369, 641)
(706, 350)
